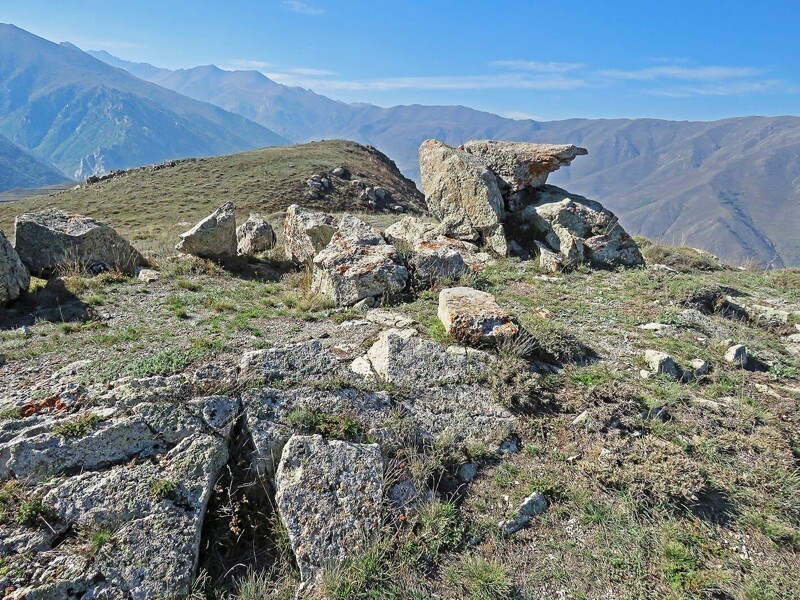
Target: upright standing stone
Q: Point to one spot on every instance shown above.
(14, 277)
(214, 237)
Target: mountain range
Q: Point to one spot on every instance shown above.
(730, 186)
(86, 117)
(20, 169)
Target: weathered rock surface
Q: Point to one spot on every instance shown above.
(358, 264)
(269, 416)
(474, 318)
(14, 276)
(214, 237)
(306, 233)
(144, 477)
(523, 164)
(254, 236)
(410, 230)
(306, 361)
(464, 195)
(400, 357)
(329, 496)
(578, 229)
(52, 239)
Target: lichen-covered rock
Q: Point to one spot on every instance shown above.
(305, 233)
(14, 276)
(358, 264)
(399, 356)
(269, 415)
(523, 164)
(254, 236)
(306, 361)
(436, 260)
(143, 478)
(474, 318)
(409, 230)
(464, 195)
(329, 496)
(577, 228)
(549, 261)
(214, 237)
(52, 239)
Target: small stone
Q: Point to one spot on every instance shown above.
(533, 505)
(147, 275)
(661, 363)
(737, 355)
(699, 367)
(657, 327)
(581, 418)
(341, 172)
(467, 472)
(474, 318)
(509, 446)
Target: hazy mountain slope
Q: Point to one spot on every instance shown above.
(729, 186)
(85, 116)
(18, 169)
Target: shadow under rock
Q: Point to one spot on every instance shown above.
(53, 303)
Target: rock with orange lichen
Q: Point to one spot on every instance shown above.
(474, 318)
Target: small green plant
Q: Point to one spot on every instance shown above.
(334, 426)
(77, 427)
(191, 286)
(29, 513)
(367, 574)
(439, 527)
(480, 579)
(163, 488)
(438, 333)
(99, 539)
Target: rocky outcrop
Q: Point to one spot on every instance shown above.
(464, 195)
(214, 237)
(254, 236)
(14, 277)
(474, 318)
(578, 229)
(494, 193)
(52, 239)
(329, 496)
(140, 478)
(523, 164)
(306, 233)
(358, 265)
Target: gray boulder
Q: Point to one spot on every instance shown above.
(523, 164)
(214, 237)
(358, 264)
(464, 195)
(661, 363)
(578, 229)
(306, 233)
(53, 239)
(14, 277)
(329, 496)
(254, 236)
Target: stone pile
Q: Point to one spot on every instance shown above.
(495, 194)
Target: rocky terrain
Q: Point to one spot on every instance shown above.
(505, 396)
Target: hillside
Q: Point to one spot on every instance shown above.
(19, 169)
(138, 422)
(729, 186)
(266, 181)
(86, 117)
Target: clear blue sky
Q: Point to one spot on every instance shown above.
(700, 59)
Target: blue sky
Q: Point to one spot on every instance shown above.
(698, 60)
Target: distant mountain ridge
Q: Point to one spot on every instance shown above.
(730, 186)
(18, 169)
(86, 117)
